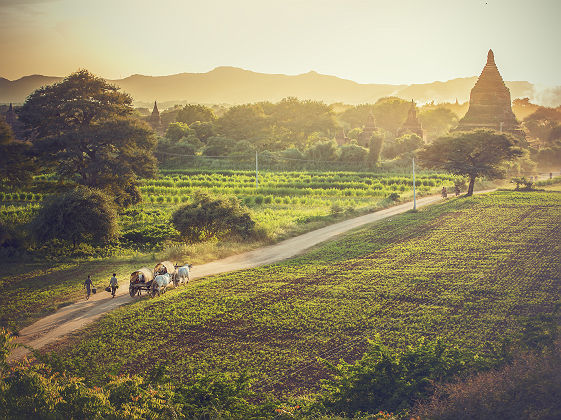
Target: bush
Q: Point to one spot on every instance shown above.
(212, 217)
(80, 215)
(385, 380)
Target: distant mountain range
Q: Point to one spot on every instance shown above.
(231, 85)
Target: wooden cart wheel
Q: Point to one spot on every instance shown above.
(132, 291)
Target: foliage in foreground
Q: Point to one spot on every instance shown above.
(40, 392)
(387, 380)
(528, 388)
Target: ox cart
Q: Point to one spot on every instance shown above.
(154, 282)
(141, 280)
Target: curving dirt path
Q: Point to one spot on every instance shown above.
(76, 316)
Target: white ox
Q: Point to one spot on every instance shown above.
(160, 283)
(182, 275)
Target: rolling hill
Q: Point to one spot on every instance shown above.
(231, 85)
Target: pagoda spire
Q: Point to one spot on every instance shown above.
(11, 117)
(155, 120)
(491, 58)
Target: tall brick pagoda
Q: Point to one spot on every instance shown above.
(489, 103)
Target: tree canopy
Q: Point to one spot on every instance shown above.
(472, 153)
(437, 121)
(84, 128)
(193, 112)
(16, 159)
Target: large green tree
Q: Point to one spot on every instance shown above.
(437, 121)
(16, 159)
(192, 112)
(302, 118)
(84, 128)
(390, 113)
(472, 154)
(243, 122)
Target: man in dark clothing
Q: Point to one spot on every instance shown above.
(88, 286)
(113, 284)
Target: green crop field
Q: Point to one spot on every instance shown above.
(285, 204)
(470, 270)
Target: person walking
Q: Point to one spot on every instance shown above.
(113, 284)
(444, 192)
(88, 286)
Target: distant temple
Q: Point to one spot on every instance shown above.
(155, 120)
(11, 117)
(411, 124)
(489, 103)
(369, 128)
(14, 122)
(341, 138)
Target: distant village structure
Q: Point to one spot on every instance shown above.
(363, 138)
(369, 128)
(412, 125)
(489, 103)
(14, 122)
(155, 120)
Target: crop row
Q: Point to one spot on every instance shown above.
(21, 196)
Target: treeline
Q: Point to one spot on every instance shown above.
(295, 134)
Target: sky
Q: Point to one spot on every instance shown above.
(368, 41)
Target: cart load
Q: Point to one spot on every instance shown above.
(140, 280)
(165, 267)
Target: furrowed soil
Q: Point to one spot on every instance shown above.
(472, 270)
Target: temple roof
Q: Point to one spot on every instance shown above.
(489, 102)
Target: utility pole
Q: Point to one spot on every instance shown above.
(414, 193)
(256, 172)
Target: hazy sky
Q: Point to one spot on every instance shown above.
(369, 41)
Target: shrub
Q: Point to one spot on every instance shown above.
(392, 381)
(212, 217)
(80, 215)
(393, 197)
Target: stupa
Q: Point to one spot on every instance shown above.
(155, 120)
(489, 103)
(411, 124)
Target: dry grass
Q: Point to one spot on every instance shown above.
(528, 388)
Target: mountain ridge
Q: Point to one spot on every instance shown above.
(234, 85)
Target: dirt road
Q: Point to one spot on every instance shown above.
(76, 316)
